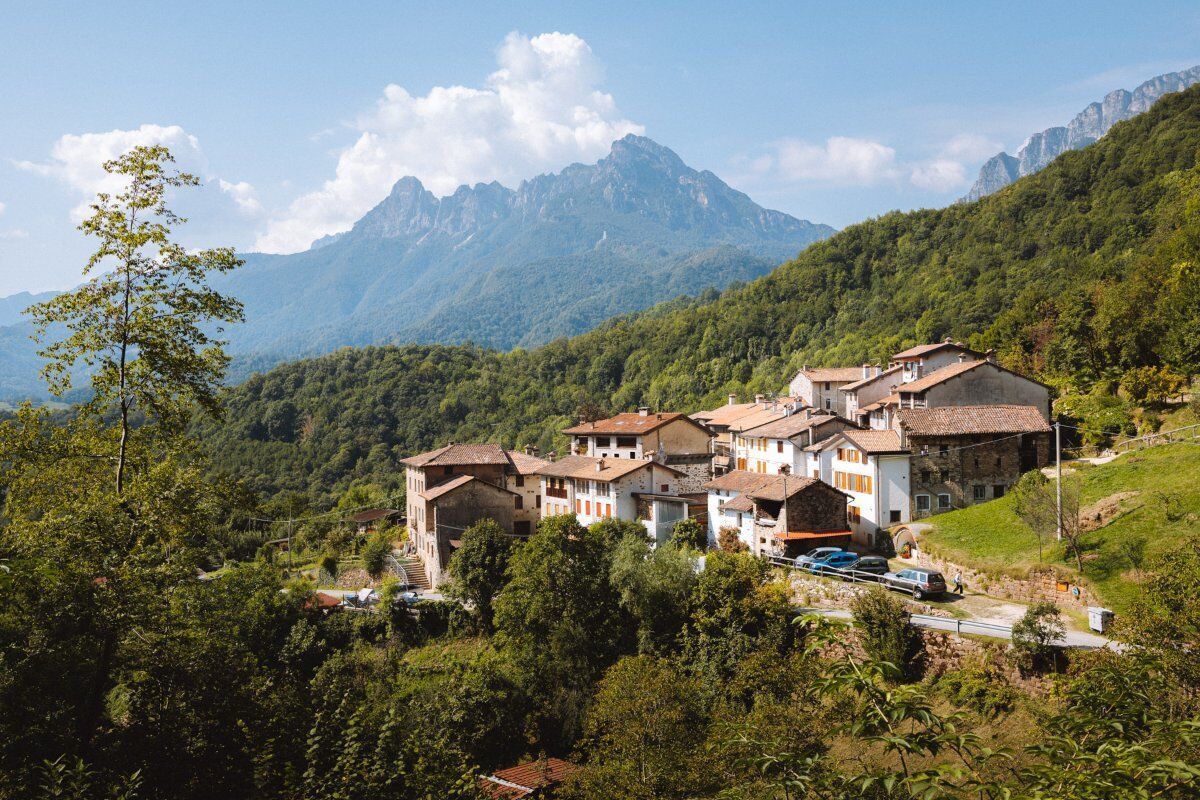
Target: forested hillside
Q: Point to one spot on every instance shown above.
(1083, 274)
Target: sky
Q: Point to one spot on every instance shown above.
(299, 116)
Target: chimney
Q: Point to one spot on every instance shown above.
(658, 415)
(643, 411)
(948, 341)
(808, 413)
(962, 357)
(760, 398)
(553, 454)
(599, 465)
(866, 373)
(878, 371)
(990, 355)
(733, 399)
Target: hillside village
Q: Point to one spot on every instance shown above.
(841, 457)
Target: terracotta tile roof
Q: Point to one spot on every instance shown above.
(939, 376)
(890, 400)
(874, 442)
(629, 424)
(737, 480)
(524, 779)
(967, 420)
(435, 492)
(760, 417)
(723, 415)
(526, 464)
(925, 349)
(775, 489)
(853, 387)
(372, 514)
(457, 455)
(610, 469)
(739, 503)
(793, 425)
(832, 374)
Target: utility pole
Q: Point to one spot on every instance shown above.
(289, 546)
(1058, 480)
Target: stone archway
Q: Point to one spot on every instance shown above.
(907, 538)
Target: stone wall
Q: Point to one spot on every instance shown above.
(994, 465)
(1042, 584)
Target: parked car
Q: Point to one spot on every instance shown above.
(834, 562)
(920, 583)
(867, 568)
(813, 556)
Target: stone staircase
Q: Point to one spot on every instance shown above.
(412, 572)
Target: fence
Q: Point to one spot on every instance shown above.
(1188, 433)
(851, 575)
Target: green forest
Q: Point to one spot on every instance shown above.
(139, 661)
(1084, 275)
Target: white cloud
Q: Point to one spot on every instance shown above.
(78, 159)
(243, 194)
(841, 160)
(540, 110)
(938, 174)
(15, 233)
(847, 161)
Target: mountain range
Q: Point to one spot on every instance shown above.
(1082, 275)
(1087, 127)
(492, 265)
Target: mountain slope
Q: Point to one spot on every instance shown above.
(1087, 127)
(1076, 274)
(418, 268)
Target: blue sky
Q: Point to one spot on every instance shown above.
(299, 115)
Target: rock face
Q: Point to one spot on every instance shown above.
(513, 267)
(1087, 126)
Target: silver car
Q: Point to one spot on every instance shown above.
(920, 583)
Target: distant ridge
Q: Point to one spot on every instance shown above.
(1087, 126)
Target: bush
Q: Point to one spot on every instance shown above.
(883, 629)
(375, 552)
(690, 534)
(979, 687)
(728, 541)
(1152, 385)
(1035, 634)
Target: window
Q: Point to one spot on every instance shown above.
(922, 502)
(518, 501)
(943, 501)
(626, 441)
(925, 476)
(854, 514)
(587, 507)
(779, 445)
(943, 449)
(999, 462)
(894, 515)
(664, 488)
(602, 441)
(998, 490)
(979, 492)
(447, 470)
(602, 488)
(537, 501)
(519, 480)
(944, 476)
(578, 506)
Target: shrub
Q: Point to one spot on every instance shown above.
(690, 534)
(728, 541)
(375, 552)
(979, 687)
(883, 629)
(1035, 634)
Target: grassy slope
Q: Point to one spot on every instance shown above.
(990, 536)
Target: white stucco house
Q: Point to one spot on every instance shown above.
(873, 468)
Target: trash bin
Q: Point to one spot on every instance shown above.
(1099, 618)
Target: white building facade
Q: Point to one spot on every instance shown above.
(873, 468)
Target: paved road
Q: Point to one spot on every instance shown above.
(1076, 639)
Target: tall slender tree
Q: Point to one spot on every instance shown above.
(140, 323)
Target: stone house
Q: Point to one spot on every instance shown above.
(974, 383)
(625, 488)
(778, 446)
(778, 514)
(963, 455)
(669, 438)
(820, 387)
(719, 420)
(917, 362)
(439, 505)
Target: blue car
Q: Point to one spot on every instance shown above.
(834, 562)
